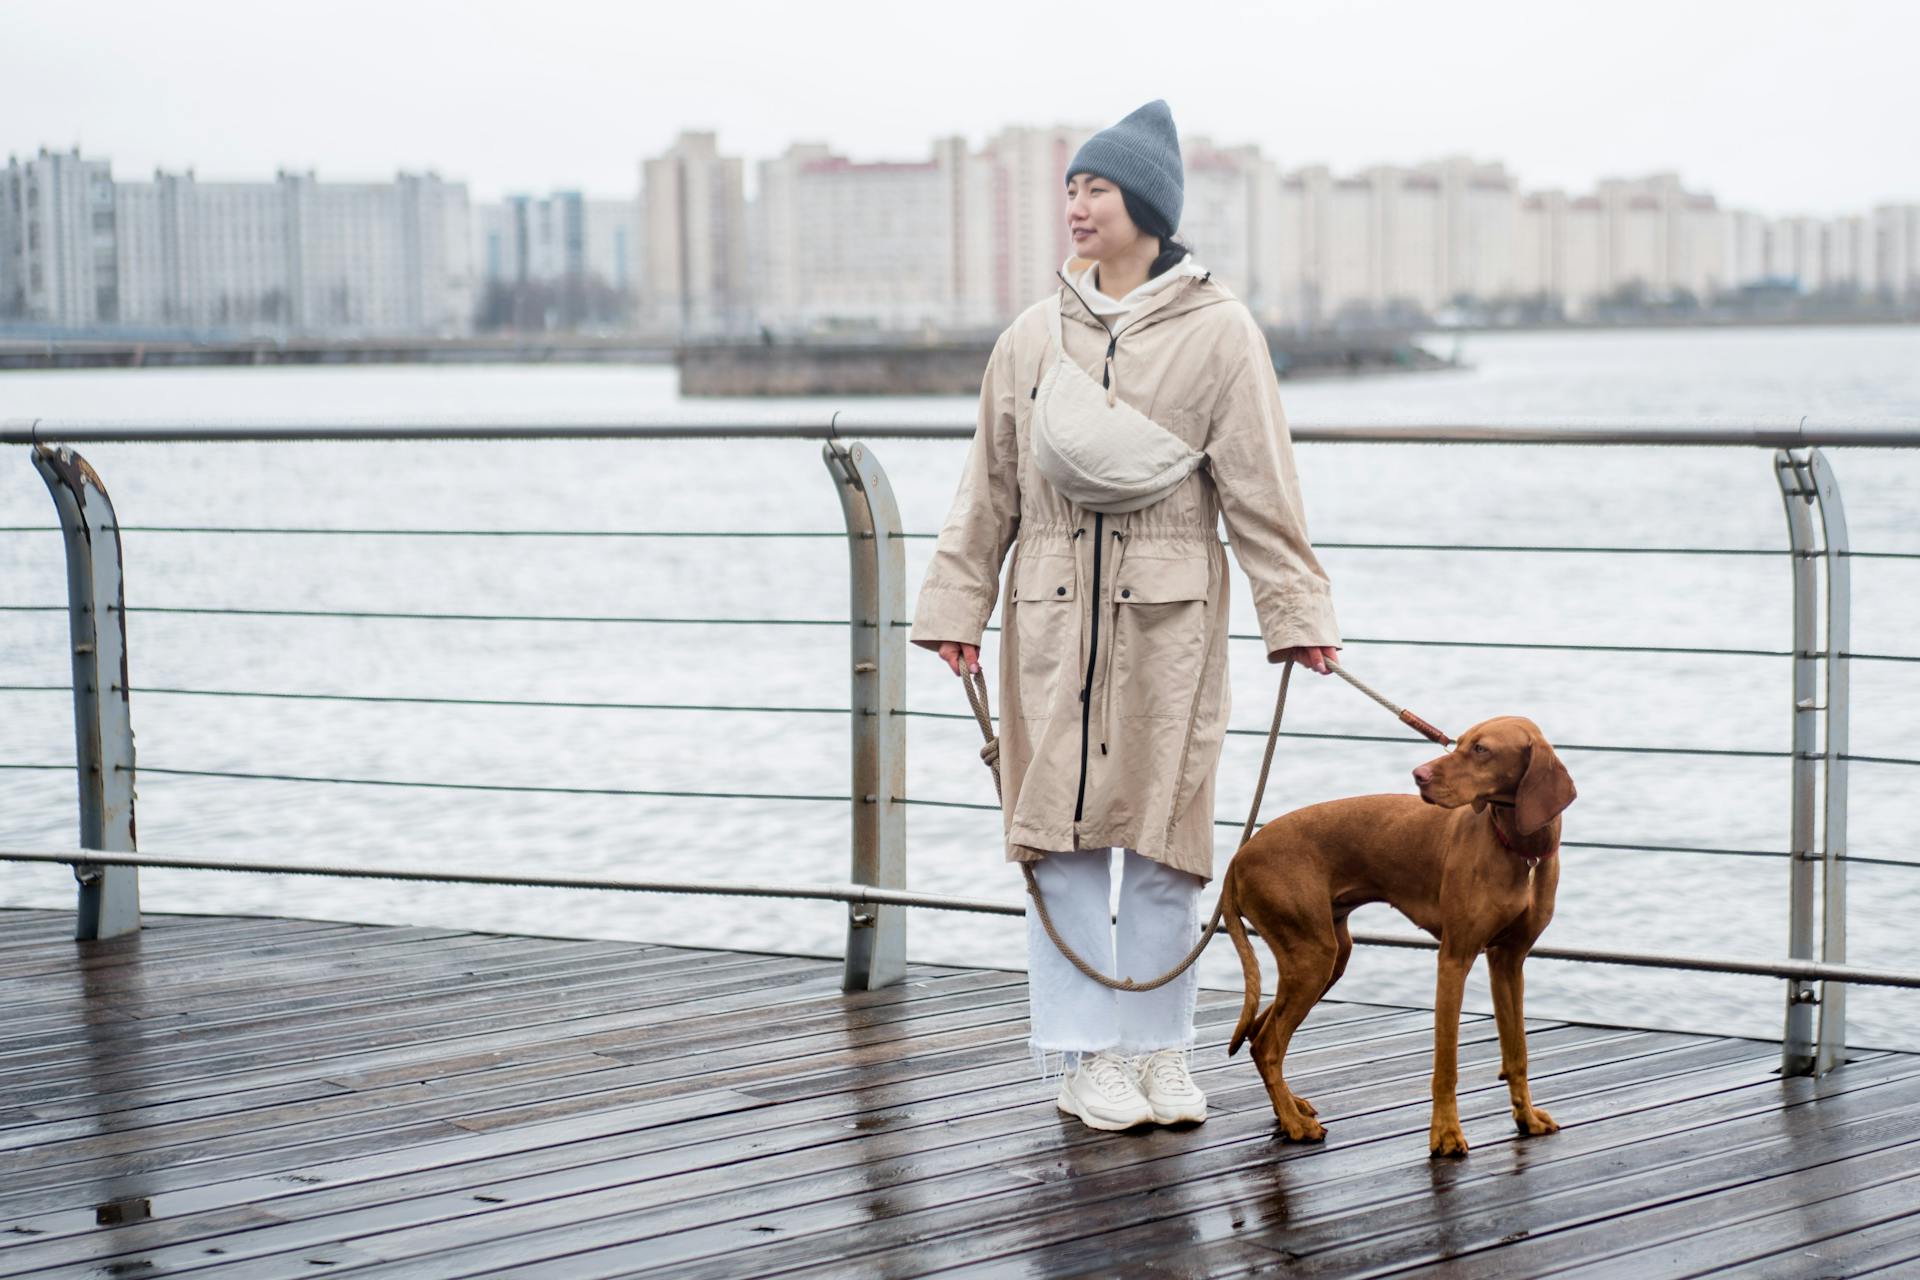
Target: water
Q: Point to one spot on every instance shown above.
(1570, 495)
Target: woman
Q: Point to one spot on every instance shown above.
(1119, 422)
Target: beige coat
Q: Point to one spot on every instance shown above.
(1141, 598)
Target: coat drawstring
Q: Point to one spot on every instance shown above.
(1113, 632)
(1079, 594)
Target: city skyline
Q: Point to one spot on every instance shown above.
(964, 239)
(1769, 107)
(520, 191)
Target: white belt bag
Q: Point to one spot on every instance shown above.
(1100, 452)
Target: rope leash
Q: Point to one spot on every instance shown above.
(1405, 716)
(976, 686)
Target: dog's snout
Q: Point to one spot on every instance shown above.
(1423, 775)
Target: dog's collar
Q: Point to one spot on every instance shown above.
(1506, 842)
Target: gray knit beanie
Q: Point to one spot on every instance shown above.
(1142, 154)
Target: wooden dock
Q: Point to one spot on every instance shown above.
(266, 1098)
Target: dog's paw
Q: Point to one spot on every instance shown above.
(1305, 1106)
(1446, 1142)
(1302, 1128)
(1532, 1122)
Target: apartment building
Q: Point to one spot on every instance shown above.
(57, 257)
(294, 255)
(557, 237)
(694, 220)
(886, 245)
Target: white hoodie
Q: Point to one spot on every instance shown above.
(1101, 305)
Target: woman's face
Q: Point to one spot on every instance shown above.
(1097, 220)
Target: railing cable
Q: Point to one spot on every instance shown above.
(512, 788)
(324, 531)
(424, 700)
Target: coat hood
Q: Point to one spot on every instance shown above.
(1184, 287)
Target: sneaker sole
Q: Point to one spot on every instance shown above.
(1197, 1116)
(1097, 1122)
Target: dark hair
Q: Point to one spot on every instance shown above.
(1148, 219)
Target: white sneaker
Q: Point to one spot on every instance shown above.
(1102, 1093)
(1169, 1088)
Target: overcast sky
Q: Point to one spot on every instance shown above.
(1774, 106)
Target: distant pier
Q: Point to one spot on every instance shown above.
(122, 353)
(950, 367)
(893, 364)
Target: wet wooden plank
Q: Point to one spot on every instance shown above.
(964, 1150)
(1887, 1248)
(324, 1147)
(1818, 1202)
(1585, 1214)
(239, 994)
(449, 992)
(716, 1159)
(1327, 1222)
(518, 1040)
(220, 942)
(947, 1222)
(185, 1052)
(700, 1060)
(302, 1096)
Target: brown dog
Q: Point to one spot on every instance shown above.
(1471, 861)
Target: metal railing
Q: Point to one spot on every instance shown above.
(107, 863)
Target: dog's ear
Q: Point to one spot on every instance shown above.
(1544, 791)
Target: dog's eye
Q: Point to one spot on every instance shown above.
(1479, 748)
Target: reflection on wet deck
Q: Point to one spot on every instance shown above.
(252, 1098)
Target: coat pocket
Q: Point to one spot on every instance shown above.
(1046, 628)
(1159, 634)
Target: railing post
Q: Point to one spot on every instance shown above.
(1797, 493)
(1832, 1046)
(109, 902)
(1807, 483)
(876, 935)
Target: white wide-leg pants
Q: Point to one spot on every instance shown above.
(1159, 919)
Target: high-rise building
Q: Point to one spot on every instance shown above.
(1746, 247)
(1896, 231)
(694, 216)
(1228, 191)
(203, 255)
(379, 258)
(882, 245)
(57, 258)
(1389, 241)
(561, 261)
(1026, 173)
(290, 256)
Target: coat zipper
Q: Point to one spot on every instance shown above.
(1093, 657)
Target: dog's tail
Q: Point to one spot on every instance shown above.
(1249, 962)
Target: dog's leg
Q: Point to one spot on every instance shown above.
(1509, 988)
(1303, 976)
(1444, 1137)
(1344, 942)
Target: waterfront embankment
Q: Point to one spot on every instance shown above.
(875, 365)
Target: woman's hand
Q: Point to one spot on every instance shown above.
(953, 653)
(1313, 657)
